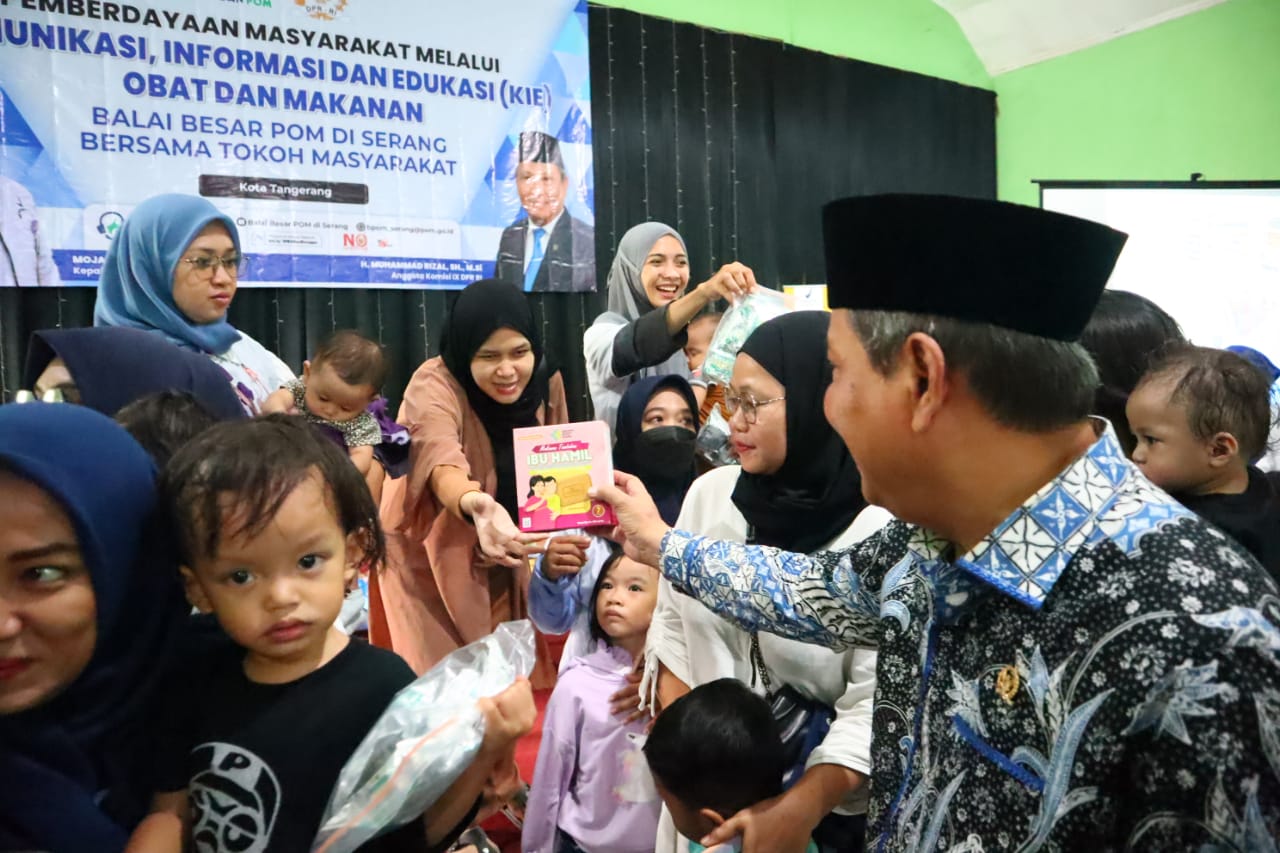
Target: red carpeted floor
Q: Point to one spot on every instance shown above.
(500, 830)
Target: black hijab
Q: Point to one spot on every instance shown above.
(483, 308)
(817, 492)
(666, 481)
(114, 365)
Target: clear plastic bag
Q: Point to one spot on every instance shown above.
(743, 317)
(713, 440)
(429, 734)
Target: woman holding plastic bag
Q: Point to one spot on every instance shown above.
(643, 332)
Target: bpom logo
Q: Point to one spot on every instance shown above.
(322, 10)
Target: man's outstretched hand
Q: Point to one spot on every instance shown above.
(640, 528)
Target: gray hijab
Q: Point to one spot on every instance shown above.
(626, 294)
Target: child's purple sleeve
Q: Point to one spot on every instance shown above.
(557, 757)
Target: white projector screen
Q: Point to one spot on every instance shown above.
(1207, 254)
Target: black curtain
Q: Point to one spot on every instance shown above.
(735, 141)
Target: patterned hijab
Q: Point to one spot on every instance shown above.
(136, 288)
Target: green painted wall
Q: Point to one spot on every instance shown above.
(1198, 94)
(915, 35)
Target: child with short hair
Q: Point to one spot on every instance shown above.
(591, 790)
(163, 422)
(700, 331)
(341, 393)
(714, 752)
(1201, 417)
(272, 522)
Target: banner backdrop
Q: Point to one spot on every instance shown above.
(369, 143)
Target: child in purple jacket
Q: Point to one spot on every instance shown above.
(592, 791)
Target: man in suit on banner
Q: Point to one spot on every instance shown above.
(26, 259)
(546, 249)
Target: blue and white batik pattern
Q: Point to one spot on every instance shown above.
(1102, 672)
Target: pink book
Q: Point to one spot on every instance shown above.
(555, 467)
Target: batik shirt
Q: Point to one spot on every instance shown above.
(1101, 672)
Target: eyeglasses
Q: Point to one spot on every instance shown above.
(235, 265)
(750, 406)
(52, 395)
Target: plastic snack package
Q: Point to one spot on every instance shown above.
(713, 440)
(424, 740)
(354, 616)
(743, 317)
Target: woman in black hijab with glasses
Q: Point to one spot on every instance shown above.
(797, 488)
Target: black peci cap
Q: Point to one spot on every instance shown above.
(1009, 265)
(539, 147)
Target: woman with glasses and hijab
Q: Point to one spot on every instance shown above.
(796, 488)
(644, 331)
(172, 269)
(107, 368)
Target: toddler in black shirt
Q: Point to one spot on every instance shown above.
(273, 522)
(1200, 416)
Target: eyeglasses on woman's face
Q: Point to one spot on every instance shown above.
(52, 395)
(750, 406)
(209, 264)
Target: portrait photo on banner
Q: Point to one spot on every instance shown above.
(354, 143)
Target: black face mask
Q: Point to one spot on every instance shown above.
(665, 453)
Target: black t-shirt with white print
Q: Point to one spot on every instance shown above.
(260, 760)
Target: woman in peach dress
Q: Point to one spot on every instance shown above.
(455, 566)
